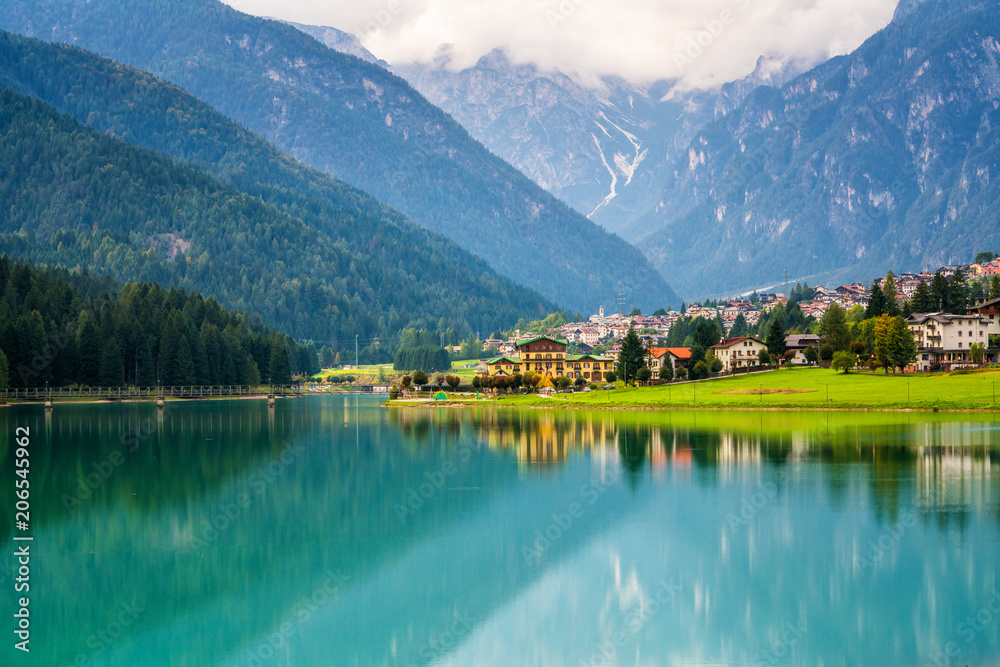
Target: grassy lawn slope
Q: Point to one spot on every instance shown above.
(801, 388)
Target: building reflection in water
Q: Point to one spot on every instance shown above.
(933, 465)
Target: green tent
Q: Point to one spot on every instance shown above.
(441, 396)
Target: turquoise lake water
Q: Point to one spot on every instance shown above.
(332, 531)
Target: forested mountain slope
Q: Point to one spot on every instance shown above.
(74, 197)
(408, 275)
(358, 122)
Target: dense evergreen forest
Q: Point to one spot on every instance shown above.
(77, 198)
(61, 328)
(403, 274)
(362, 124)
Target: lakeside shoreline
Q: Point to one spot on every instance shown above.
(802, 389)
(679, 408)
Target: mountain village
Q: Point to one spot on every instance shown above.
(588, 350)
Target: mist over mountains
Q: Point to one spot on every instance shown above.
(875, 160)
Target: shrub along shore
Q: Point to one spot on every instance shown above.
(785, 389)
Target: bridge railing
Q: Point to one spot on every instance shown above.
(197, 391)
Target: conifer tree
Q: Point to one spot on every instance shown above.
(958, 295)
(833, 328)
(184, 363)
(632, 356)
(279, 370)
(901, 346)
(882, 348)
(167, 366)
(739, 327)
(889, 293)
(112, 369)
(939, 293)
(145, 368)
(876, 303)
(776, 339)
(922, 300)
(88, 349)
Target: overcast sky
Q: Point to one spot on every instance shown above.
(703, 42)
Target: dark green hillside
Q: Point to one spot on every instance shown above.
(60, 328)
(74, 197)
(359, 123)
(139, 108)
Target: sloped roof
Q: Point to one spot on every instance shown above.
(500, 360)
(736, 341)
(679, 352)
(537, 338)
(801, 340)
(987, 304)
(943, 318)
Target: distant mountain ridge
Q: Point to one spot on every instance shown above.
(360, 123)
(884, 158)
(338, 40)
(604, 151)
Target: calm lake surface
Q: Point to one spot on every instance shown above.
(332, 531)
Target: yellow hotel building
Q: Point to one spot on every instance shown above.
(547, 356)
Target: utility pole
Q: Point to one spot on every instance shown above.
(787, 295)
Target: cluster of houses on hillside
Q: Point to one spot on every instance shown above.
(942, 339)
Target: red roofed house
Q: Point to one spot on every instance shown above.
(739, 352)
(675, 356)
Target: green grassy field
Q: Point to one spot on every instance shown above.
(368, 374)
(801, 388)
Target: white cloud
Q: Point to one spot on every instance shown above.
(704, 43)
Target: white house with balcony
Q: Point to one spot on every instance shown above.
(740, 352)
(946, 339)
